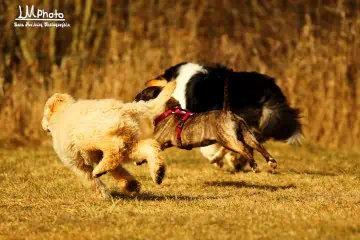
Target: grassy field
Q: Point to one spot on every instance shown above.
(113, 47)
(315, 194)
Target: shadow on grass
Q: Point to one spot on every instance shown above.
(246, 185)
(248, 171)
(152, 197)
(315, 173)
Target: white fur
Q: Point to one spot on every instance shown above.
(104, 132)
(267, 114)
(295, 139)
(210, 151)
(186, 71)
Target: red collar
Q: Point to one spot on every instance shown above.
(177, 110)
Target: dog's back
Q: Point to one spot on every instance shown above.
(87, 121)
(93, 114)
(198, 130)
(253, 96)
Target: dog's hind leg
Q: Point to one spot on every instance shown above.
(110, 161)
(84, 172)
(227, 137)
(113, 154)
(150, 149)
(252, 162)
(251, 141)
(245, 152)
(128, 182)
(141, 162)
(230, 142)
(235, 161)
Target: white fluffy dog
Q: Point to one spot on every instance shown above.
(104, 132)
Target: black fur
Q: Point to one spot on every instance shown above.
(150, 93)
(253, 96)
(172, 72)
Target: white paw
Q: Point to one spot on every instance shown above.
(272, 163)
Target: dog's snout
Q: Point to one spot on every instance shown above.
(156, 82)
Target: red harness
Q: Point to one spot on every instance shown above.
(177, 110)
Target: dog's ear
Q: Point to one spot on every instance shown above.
(59, 99)
(52, 104)
(53, 101)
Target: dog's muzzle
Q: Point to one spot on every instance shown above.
(45, 125)
(156, 83)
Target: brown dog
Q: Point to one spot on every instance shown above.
(178, 127)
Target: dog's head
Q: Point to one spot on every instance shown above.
(56, 103)
(169, 74)
(148, 94)
(151, 93)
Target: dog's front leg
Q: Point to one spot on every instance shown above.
(253, 164)
(84, 172)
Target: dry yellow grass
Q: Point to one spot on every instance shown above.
(314, 195)
(113, 47)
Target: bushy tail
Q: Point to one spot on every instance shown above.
(154, 107)
(281, 122)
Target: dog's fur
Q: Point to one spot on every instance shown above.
(203, 129)
(253, 96)
(104, 132)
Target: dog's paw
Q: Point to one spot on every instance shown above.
(272, 163)
(132, 186)
(255, 168)
(96, 175)
(160, 174)
(139, 163)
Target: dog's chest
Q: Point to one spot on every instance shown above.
(179, 93)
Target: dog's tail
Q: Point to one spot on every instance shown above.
(226, 106)
(281, 122)
(156, 106)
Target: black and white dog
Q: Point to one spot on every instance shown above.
(253, 96)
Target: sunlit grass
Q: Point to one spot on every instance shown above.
(314, 194)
